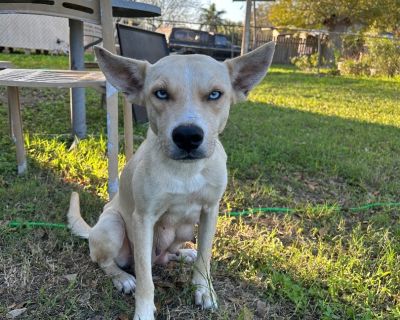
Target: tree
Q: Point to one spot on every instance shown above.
(262, 11)
(337, 15)
(176, 10)
(233, 30)
(211, 18)
(389, 17)
(334, 15)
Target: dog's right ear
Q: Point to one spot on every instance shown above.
(126, 74)
(248, 70)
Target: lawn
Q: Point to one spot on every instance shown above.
(318, 145)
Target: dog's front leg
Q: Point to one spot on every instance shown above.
(143, 230)
(205, 295)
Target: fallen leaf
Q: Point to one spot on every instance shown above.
(234, 300)
(245, 314)
(20, 305)
(323, 231)
(15, 313)
(180, 283)
(311, 185)
(122, 316)
(71, 277)
(261, 308)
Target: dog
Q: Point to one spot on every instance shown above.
(178, 175)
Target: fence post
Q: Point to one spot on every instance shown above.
(255, 25)
(319, 52)
(231, 44)
(246, 30)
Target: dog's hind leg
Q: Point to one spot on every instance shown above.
(185, 255)
(109, 246)
(177, 253)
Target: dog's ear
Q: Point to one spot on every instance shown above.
(248, 70)
(126, 74)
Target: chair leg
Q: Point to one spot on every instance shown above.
(10, 122)
(16, 127)
(112, 139)
(128, 130)
(103, 103)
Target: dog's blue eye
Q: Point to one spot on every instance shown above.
(214, 95)
(161, 94)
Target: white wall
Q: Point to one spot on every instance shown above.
(27, 31)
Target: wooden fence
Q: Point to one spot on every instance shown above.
(288, 48)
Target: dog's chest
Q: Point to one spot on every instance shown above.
(186, 198)
(184, 204)
(185, 187)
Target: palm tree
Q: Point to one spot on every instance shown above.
(211, 18)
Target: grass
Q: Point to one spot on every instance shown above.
(301, 141)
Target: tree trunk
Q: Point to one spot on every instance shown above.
(334, 47)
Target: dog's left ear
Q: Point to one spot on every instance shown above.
(125, 74)
(248, 70)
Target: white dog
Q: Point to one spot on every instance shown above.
(177, 176)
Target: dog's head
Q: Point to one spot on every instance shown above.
(187, 97)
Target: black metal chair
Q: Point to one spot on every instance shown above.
(141, 45)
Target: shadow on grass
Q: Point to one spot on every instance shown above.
(284, 157)
(335, 160)
(367, 87)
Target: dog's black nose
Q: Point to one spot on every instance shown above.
(188, 137)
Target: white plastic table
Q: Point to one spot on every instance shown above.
(121, 8)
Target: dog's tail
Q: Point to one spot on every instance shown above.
(78, 226)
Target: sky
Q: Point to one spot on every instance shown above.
(234, 9)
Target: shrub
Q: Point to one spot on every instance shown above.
(306, 62)
(354, 67)
(383, 55)
(353, 46)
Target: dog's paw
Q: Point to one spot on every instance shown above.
(144, 311)
(188, 255)
(143, 317)
(124, 282)
(205, 297)
(185, 255)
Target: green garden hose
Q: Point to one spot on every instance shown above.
(334, 208)
(36, 224)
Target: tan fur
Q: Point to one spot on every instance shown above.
(162, 198)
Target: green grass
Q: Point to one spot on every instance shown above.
(302, 141)
(34, 61)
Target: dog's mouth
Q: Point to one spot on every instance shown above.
(188, 156)
(179, 154)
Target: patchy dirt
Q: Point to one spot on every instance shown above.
(49, 274)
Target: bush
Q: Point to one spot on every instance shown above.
(383, 55)
(306, 62)
(353, 46)
(354, 67)
(382, 58)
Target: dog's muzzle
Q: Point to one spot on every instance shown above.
(188, 139)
